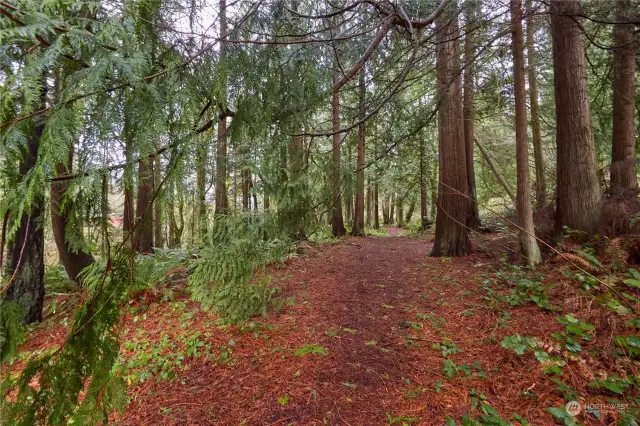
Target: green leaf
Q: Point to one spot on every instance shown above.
(632, 283)
(449, 368)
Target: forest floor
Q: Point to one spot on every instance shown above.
(371, 331)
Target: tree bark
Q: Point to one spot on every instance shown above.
(452, 237)
(337, 222)
(358, 220)
(128, 208)
(399, 215)
(392, 208)
(27, 257)
(473, 220)
(73, 260)
(423, 190)
(376, 206)
(385, 210)
(579, 195)
(434, 190)
(144, 220)
(246, 183)
(297, 187)
(348, 188)
(541, 183)
(157, 208)
(528, 244)
(202, 151)
(623, 152)
(368, 207)
(412, 207)
(222, 201)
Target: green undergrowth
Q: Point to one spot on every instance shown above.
(226, 273)
(614, 376)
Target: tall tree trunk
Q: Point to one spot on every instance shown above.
(385, 210)
(376, 206)
(254, 195)
(128, 209)
(434, 190)
(157, 208)
(423, 190)
(246, 183)
(222, 201)
(358, 220)
(623, 153)
(73, 260)
(541, 184)
(348, 188)
(202, 151)
(173, 225)
(399, 214)
(337, 222)
(144, 226)
(528, 244)
(473, 219)
(452, 237)
(579, 195)
(27, 257)
(392, 208)
(412, 207)
(297, 187)
(368, 207)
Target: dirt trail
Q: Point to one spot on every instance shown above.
(377, 305)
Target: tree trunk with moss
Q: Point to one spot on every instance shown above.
(26, 285)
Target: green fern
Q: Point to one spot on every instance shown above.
(226, 273)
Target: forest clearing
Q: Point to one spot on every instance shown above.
(299, 212)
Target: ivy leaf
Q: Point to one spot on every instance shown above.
(560, 413)
(516, 343)
(449, 368)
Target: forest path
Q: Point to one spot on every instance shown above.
(371, 308)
